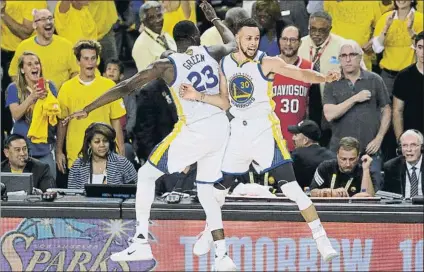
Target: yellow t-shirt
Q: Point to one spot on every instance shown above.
(420, 6)
(104, 14)
(57, 59)
(387, 8)
(75, 25)
(74, 96)
(354, 20)
(16, 171)
(170, 19)
(18, 10)
(398, 53)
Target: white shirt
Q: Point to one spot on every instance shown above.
(419, 176)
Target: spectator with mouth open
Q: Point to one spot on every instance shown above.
(55, 52)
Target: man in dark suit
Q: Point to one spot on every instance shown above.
(308, 154)
(404, 174)
(18, 161)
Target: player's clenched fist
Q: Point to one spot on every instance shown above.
(188, 92)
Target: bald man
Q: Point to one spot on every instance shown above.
(56, 53)
(211, 36)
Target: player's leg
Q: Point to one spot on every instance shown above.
(139, 248)
(208, 173)
(284, 174)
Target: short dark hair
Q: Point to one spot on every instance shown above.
(323, 15)
(419, 37)
(248, 22)
(184, 30)
(11, 138)
(348, 144)
(87, 44)
(97, 128)
(116, 62)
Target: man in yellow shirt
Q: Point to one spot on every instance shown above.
(16, 25)
(78, 92)
(355, 20)
(74, 21)
(152, 42)
(105, 15)
(55, 53)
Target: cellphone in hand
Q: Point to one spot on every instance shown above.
(40, 83)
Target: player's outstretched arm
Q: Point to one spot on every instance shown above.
(278, 66)
(220, 100)
(159, 69)
(219, 51)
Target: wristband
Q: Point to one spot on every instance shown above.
(214, 19)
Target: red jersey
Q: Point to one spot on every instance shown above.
(291, 100)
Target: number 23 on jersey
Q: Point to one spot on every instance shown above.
(206, 79)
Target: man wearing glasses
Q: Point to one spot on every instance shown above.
(294, 100)
(321, 48)
(358, 106)
(55, 52)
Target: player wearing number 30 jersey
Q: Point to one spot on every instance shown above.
(255, 130)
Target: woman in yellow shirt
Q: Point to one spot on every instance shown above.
(21, 97)
(394, 34)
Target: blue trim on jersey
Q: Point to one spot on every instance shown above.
(208, 182)
(275, 166)
(262, 56)
(262, 73)
(152, 164)
(235, 174)
(175, 71)
(222, 66)
(207, 50)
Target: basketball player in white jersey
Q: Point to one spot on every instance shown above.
(200, 135)
(255, 130)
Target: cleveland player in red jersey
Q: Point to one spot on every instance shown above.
(290, 95)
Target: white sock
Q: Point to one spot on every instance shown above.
(205, 192)
(317, 228)
(220, 248)
(147, 176)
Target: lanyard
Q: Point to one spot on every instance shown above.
(316, 57)
(333, 181)
(156, 40)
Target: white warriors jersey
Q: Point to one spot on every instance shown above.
(250, 92)
(196, 67)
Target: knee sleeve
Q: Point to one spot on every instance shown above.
(293, 191)
(283, 173)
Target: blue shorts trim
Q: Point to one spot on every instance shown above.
(275, 166)
(235, 174)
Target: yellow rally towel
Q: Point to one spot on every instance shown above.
(45, 112)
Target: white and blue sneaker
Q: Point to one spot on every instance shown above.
(204, 242)
(139, 250)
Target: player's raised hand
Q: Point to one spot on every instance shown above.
(208, 10)
(188, 92)
(332, 76)
(78, 114)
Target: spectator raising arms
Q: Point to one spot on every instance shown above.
(98, 162)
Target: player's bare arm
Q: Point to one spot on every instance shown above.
(220, 100)
(219, 51)
(159, 69)
(276, 65)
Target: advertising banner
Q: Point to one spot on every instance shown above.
(57, 244)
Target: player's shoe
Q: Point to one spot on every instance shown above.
(224, 263)
(324, 246)
(139, 250)
(204, 242)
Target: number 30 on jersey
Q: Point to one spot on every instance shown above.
(289, 105)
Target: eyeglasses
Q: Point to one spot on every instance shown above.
(291, 40)
(350, 55)
(50, 18)
(410, 146)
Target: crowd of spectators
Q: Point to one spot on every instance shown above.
(366, 128)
